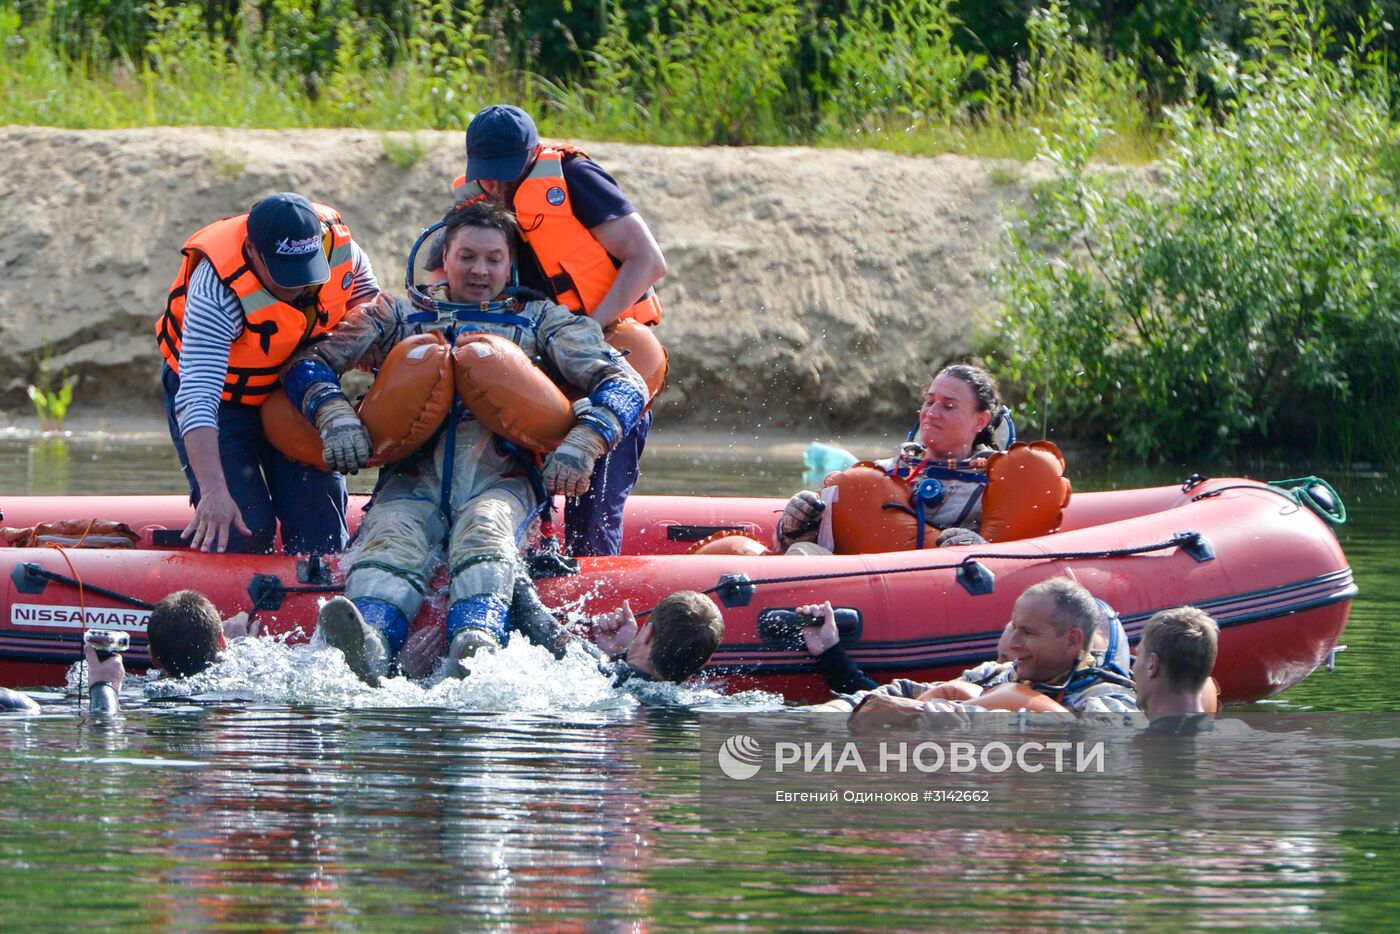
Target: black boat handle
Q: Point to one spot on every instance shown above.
(784, 625)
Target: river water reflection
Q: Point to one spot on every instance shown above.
(327, 806)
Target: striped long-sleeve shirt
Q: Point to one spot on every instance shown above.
(213, 321)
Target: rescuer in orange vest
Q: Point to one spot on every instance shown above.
(251, 290)
(584, 245)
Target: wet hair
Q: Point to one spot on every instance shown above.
(984, 390)
(1075, 607)
(185, 633)
(686, 629)
(482, 213)
(1185, 640)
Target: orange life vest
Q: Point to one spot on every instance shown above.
(272, 329)
(1026, 497)
(579, 270)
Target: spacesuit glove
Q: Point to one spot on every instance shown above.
(569, 469)
(801, 515)
(345, 440)
(956, 536)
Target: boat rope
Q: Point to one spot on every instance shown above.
(1180, 538)
(1172, 542)
(77, 581)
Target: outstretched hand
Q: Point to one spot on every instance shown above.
(613, 632)
(215, 515)
(240, 626)
(110, 669)
(421, 652)
(819, 636)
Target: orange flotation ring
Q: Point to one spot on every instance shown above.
(410, 397)
(1026, 492)
(511, 396)
(642, 351)
(1210, 696)
(1015, 697)
(291, 432)
(952, 691)
(871, 513)
(728, 542)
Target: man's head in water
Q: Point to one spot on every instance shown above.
(185, 633)
(478, 245)
(1052, 624)
(1174, 660)
(679, 637)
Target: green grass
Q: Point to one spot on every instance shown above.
(404, 149)
(700, 72)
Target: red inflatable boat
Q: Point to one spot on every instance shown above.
(1254, 556)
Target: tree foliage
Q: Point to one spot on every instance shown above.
(1247, 289)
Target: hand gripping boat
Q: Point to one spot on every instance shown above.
(1258, 557)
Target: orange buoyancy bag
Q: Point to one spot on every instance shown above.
(728, 542)
(410, 397)
(952, 691)
(1026, 492)
(1210, 696)
(1015, 697)
(871, 512)
(291, 432)
(640, 348)
(512, 397)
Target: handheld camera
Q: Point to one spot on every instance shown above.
(107, 642)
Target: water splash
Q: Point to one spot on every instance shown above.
(520, 677)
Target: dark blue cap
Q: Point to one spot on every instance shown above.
(286, 232)
(501, 139)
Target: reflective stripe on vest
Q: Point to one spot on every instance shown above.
(577, 268)
(272, 329)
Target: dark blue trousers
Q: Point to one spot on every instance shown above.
(267, 487)
(593, 521)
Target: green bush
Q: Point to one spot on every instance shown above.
(1059, 66)
(896, 64)
(1247, 291)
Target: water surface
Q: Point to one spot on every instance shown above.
(537, 796)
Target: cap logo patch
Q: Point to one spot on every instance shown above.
(555, 196)
(289, 247)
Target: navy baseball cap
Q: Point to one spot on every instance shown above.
(500, 141)
(286, 232)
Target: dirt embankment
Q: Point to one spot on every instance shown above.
(808, 289)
